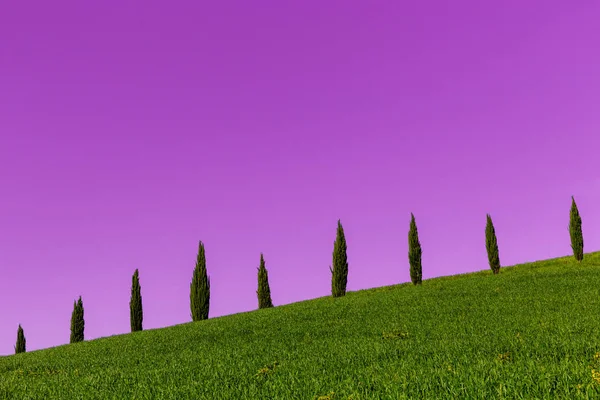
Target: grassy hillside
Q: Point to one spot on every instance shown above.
(533, 331)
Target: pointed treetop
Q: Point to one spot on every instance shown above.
(574, 206)
(201, 255)
(413, 222)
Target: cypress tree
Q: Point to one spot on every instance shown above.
(491, 244)
(136, 314)
(20, 346)
(263, 292)
(575, 232)
(77, 322)
(414, 253)
(200, 288)
(339, 273)
(74, 319)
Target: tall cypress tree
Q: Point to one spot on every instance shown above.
(264, 291)
(136, 314)
(414, 253)
(200, 288)
(20, 346)
(491, 245)
(77, 322)
(339, 273)
(576, 232)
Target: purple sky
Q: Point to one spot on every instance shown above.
(128, 132)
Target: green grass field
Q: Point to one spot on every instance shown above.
(531, 332)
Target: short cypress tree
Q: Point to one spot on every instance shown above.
(575, 232)
(77, 322)
(414, 253)
(491, 244)
(264, 291)
(339, 273)
(74, 319)
(200, 288)
(20, 346)
(136, 314)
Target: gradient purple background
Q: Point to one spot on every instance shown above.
(129, 131)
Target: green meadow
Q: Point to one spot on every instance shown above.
(530, 332)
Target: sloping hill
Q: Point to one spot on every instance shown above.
(533, 331)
